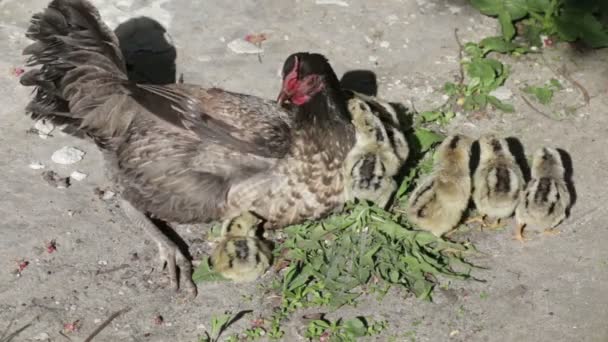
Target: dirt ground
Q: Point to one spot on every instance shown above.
(550, 289)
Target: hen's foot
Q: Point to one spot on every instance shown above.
(170, 255)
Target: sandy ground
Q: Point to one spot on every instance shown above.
(550, 289)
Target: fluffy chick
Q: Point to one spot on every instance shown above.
(546, 199)
(497, 182)
(240, 255)
(373, 161)
(437, 203)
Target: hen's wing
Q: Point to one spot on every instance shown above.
(242, 122)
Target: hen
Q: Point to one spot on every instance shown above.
(185, 154)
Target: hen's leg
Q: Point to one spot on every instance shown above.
(170, 254)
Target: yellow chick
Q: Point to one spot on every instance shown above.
(545, 201)
(439, 200)
(497, 182)
(240, 255)
(376, 157)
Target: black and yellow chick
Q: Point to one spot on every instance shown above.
(240, 255)
(377, 155)
(497, 182)
(439, 200)
(545, 201)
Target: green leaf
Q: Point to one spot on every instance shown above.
(542, 94)
(427, 138)
(516, 9)
(575, 24)
(497, 44)
(483, 70)
(506, 24)
(204, 273)
(505, 107)
(538, 5)
(355, 327)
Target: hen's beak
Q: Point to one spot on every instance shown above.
(282, 97)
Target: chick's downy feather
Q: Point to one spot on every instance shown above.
(439, 200)
(498, 180)
(546, 199)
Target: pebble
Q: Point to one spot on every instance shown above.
(42, 337)
(36, 165)
(67, 155)
(502, 93)
(107, 195)
(241, 46)
(385, 44)
(44, 128)
(78, 176)
(332, 2)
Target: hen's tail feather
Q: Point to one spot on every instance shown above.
(81, 69)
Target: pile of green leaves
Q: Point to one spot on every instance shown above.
(368, 249)
(568, 20)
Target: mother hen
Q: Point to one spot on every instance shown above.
(185, 154)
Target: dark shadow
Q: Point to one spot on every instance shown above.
(474, 156)
(173, 236)
(360, 81)
(149, 53)
(567, 162)
(518, 151)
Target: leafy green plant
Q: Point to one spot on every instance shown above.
(483, 75)
(544, 93)
(340, 330)
(568, 20)
(219, 324)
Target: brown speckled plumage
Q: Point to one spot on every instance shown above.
(180, 152)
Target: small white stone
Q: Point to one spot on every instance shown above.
(385, 44)
(285, 37)
(67, 155)
(242, 46)
(78, 176)
(102, 262)
(107, 195)
(332, 2)
(42, 337)
(368, 39)
(502, 93)
(97, 320)
(36, 165)
(373, 59)
(454, 9)
(222, 39)
(44, 128)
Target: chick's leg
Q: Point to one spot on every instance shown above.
(519, 233)
(481, 219)
(499, 223)
(170, 254)
(551, 231)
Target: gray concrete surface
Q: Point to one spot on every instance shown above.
(551, 289)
